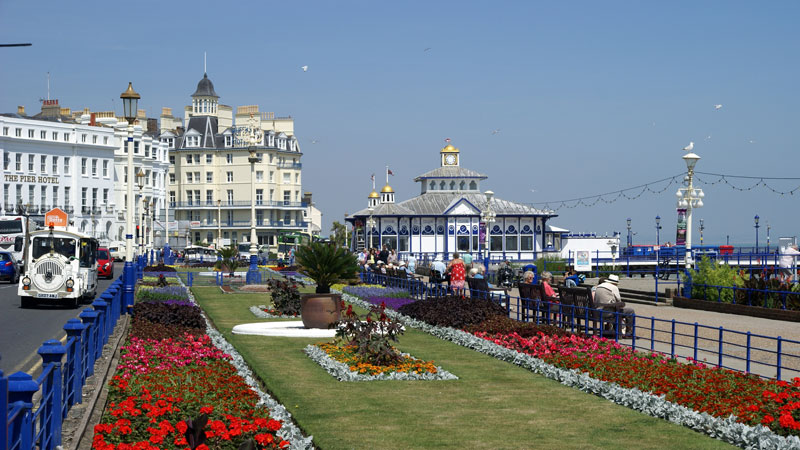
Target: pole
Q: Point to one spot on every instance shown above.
(219, 224)
(129, 270)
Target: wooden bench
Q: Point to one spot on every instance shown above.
(479, 288)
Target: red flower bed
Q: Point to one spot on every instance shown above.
(719, 392)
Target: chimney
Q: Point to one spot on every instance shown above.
(50, 108)
(21, 110)
(152, 125)
(93, 119)
(166, 111)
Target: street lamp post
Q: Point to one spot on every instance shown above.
(253, 135)
(151, 235)
(689, 198)
(140, 183)
(756, 219)
(219, 223)
(702, 227)
(130, 104)
(630, 238)
(767, 237)
(658, 231)
(487, 217)
(370, 226)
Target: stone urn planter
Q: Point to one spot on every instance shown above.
(320, 310)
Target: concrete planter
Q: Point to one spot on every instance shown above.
(742, 310)
(320, 310)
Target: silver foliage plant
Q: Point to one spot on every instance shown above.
(727, 429)
(259, 312)
(342, 372)
(289, 431)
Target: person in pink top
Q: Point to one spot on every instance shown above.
(547, 278)
(457, 272)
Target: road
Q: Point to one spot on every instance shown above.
(22, 331)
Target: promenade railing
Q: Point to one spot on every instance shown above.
(765, 298)
(761, 354)
(37, 424)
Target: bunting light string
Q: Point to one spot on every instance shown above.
(705, 178)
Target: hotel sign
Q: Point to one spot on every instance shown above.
(31, 179)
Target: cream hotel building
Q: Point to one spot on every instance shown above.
(209, 192)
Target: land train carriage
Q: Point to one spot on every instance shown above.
(61, 267)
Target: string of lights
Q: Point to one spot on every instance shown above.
(633, 193)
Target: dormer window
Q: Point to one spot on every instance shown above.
(193, 141)
(228, 141)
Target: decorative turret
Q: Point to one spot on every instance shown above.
(387, 194)
(205, 98)
(372, 199)
(449, 155)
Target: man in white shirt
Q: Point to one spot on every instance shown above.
(438, 265)
(607, 295)
(786, 262)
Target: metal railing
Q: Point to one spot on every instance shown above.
(765, 298)
(763, 355)
(238, 204)
(65, 369)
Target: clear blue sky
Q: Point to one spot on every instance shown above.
(588, 96)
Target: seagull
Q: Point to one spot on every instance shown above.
(314, 141)
(305, 68)
(427, 49)
(717, 106)
(708, 137)
(752, 141)
(495, 131)
(689, 147)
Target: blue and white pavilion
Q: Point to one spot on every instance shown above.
(446, 216)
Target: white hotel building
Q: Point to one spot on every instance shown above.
(75, 161)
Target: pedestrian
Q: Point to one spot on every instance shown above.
(607, 295)
(457, 272)
(787, 261)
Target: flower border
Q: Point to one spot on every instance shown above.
(289, 431)
(257, 311)
(342, 372)
(727, 429)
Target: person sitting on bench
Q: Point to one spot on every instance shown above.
(607, 294)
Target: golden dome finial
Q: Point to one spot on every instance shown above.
(387, 189)
(373, 194)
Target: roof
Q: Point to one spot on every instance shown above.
(438, 203)
(205, 88)
(386, 209)
(387, 188)
(449, 149)
(207, 127)
(451, 172)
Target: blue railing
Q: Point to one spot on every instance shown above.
(766, 356)
(766, 298)
(28, 426)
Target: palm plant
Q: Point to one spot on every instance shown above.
(327, 264)
(228, 261)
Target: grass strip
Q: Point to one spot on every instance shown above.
(493, 404)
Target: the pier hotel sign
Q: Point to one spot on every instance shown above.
(31, 179)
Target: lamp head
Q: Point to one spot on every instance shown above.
(691, 159)
(658, 220)
(489, 195)
(756, 219)
(629, 222)
(130, 103)
(140, 178)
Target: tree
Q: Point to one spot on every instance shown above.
(339, 234)
(228, 261)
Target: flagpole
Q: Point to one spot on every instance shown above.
(387, 174)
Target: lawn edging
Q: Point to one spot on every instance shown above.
(289, 431)
(342, 372)
(727, 429)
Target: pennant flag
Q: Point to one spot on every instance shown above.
(447, 140)
(373, 177)
(390, 171)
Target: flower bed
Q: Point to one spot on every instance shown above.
(346, 364)
(727, 428)
(266, 312)
(365, 291)
(390, 302)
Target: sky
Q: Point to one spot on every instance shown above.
(588, 97)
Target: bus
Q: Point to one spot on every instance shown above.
(61, 267)
(197, 253)
(12, 236)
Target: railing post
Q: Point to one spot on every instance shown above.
(780, 358)
(633, 331)
(52, 352)
(672, 340)
(75, 329)
(747, 366)
(695, 341)
(89, 317)
(111, 321)
(21, 388)
(102, 321)
(652, 333)
(720, 346)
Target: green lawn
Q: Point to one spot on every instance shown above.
(493, 405)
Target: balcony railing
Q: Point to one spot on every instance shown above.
(246, 223)
(290, 165)
(68, 209)
(239, 204)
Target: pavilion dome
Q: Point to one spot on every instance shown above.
(205, 88)
(449, 149)
(373, 194)
(387, 189)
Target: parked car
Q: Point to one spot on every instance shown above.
(9, 268)
(105, 263)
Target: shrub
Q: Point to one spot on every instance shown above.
(713, 274)
(202, 264)
(552, 264)
(144, 329)
(372, 335)
(285, 296)
(451, 311)
(159, 268)
(507, 325)
(171, 314)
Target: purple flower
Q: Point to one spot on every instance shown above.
(391, 302)
(366, 292)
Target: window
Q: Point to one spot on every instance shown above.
(66, 165)
(287, 197)
(209, 197)
(209, 177)
(105, 196)
(5, 131)
(228, 141)
(297, 196)
(189, 177)
(197, 199)
(54, 135)
(43, 204)
(105, 140)
(496, 243)
(94, 197)
(19, 162)
(146, 151)
(402, 244)
(43, 163)
(271, 176)
(287, 217)
(192, 141)
(172, 198)
(6, 160)
(31, 194)
(43, 134)
(172, 159)
(94, 167)
(260, 156)
(66, 137)
(526, 243)
(297, 178)
(230, 220)
(83, 166)
(230, 197)
(230, 177)
(84, 191)
(189, 199)
(287, 178)
(66, 196)
(209, 158)
(55, 165)
(271, 194)
(19, 194)
(188, 159)
(18, 132)
(270, 157)
(259, 176)
(94, 139)
(197, 177)
(463, 243)
(259, 196)
(172, 178)
(83, 137)
(30, 163)
(511, 243)
(229, 158)
(197, 159)
(105, 168)
(135, 147)
(260, 217)
(55, 196)
(30, 134)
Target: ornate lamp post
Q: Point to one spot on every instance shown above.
(151, 234)
(219, 223)
(630, 238)
(130, 105)
(689, 198)
(487, 217)
(140, 183)
(756, 219)
(702, 227)
(370, 225)
(767, 237)
(253, 135)
(658, 231)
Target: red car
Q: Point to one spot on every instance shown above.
(105, 263)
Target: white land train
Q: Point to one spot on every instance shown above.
(61, 268)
